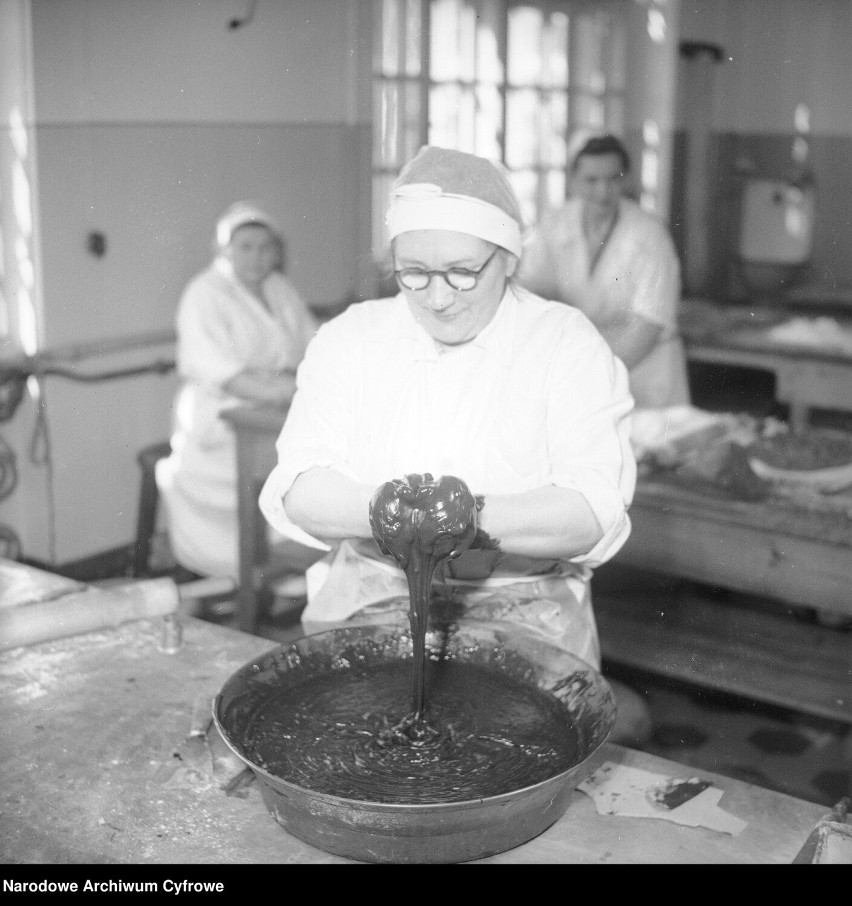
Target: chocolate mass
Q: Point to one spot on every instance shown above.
(491, 734)
(420, 521)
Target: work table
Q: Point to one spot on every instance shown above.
(807, 348)
(91, 722)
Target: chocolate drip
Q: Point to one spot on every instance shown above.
(420, 521)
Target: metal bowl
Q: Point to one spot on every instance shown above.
(434, 832)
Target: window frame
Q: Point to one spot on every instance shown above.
(577, 92)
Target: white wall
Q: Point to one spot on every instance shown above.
(777, 54)
(118, 61)
(150, 117)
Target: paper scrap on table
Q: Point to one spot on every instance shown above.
(633, 793)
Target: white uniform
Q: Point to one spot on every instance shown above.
(222, 329)
(637, 272)
(536, 398)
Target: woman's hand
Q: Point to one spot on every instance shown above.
(435, 516)
(547, 522)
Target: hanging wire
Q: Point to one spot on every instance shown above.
(8, 470)
(41, 454)
(236, 23)
(31, 372)
(10, 544)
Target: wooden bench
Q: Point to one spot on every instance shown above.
(751, 647)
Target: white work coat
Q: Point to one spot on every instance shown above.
(637, 272)
(536, 398)
(222, 329)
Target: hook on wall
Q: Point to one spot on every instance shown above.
(690, 50)
(234, 24)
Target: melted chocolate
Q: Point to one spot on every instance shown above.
(340, 738)
(420, 521)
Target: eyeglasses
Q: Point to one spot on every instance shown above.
(459, 278)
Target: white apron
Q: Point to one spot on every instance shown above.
(355, 585)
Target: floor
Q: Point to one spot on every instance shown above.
(805, 757)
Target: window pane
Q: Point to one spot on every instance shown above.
(615, 60)
(381, 197)
(413, 30)
(489, 65)
(521, 128)
(385, 108)
(396, 118)
(555, 51)
(397, 50)
(555, 188)
(386, 51)
(536, 126)
(589, 34)
(524, 45)
(590, 111)
(452, 41)
(489, 121)
(554, 128)
(452, 117)
(525, 184)
(412, 137)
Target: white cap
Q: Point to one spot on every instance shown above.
(240, 214)
(445, 189)
(423, 206)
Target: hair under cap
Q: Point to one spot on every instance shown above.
(595, 141)
(241, 214)
(443, 189)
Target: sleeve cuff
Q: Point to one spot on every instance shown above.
(610, 509)
(271, 503)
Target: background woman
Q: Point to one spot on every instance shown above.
(603, 254)
(242, 329)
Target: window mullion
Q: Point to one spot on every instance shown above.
(425, 69)
(503, 52)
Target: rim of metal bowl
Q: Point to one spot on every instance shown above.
(345, 801)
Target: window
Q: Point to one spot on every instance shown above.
(503, 79)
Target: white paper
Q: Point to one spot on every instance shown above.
(630, 792)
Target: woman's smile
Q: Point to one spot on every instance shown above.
(452, 316)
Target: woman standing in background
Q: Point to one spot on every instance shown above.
(242, 329)
(603, 254)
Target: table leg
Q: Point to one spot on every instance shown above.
(799, 416)
(248, 515)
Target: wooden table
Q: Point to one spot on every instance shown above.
(807, 377)
(256, 429)
(90, 721)
(773, 548)
(772, 554)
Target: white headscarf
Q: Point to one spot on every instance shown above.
(240, 214)
(444, 189)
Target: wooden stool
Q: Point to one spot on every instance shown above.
(196, 591)
(146, 520)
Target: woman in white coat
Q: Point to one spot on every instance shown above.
(602, 253)
(242, 329)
